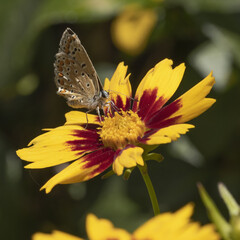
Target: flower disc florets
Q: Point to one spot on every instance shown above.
(121, 129)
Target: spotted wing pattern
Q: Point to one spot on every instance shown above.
(75, 75)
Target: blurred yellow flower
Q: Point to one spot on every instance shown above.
(55, 235)
(132, 28)
(166, 226)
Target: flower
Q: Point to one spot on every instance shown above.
(131, 29)
(167, 226)
(55, 235)
(122, 136)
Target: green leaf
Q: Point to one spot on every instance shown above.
(230, 202)
(222, 225)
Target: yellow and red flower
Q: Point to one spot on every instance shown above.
(120, 138)
(167, 226)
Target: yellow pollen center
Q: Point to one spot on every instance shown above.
(122, 129)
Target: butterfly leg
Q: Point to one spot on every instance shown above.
(107, 105)
(99, 114)
(87, 118)
(112, 104)
(90, 110)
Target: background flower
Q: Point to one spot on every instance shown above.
(131, 29)
(169, 226)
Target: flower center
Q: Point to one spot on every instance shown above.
(122, 129)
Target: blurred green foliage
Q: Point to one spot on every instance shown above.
(203, 33)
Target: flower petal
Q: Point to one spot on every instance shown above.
(157, 87)
(175, 226)
(119, 87)
(77, 117)
(103, 229)
(127, 158)
(83, 169)
(165, 135)
(186, 107)
(194, 102)
(55, 235)
(163, 223)
(59, 145)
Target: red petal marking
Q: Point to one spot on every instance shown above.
(161, 118)
(84, 145)
(148, 104)
(102, 157)
(127, 105)
(119, 103)
(90, 141)
(135, 104)
(88, 134)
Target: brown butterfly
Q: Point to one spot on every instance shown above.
(75, 76)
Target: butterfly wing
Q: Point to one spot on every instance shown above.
(75, 75)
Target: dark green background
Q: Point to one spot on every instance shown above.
(203, 34)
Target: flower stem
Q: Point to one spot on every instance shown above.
(151, 191)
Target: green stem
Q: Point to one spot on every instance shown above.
(151, 191)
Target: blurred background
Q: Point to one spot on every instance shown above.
(204, 34)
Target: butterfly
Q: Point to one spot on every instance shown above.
(75, 76)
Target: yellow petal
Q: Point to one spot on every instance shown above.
(163, 78)
(194, 102)
(119, 84)
(75, 172)
(177, 226)
(127, 158)
(117, 167)
(55, 235)
(101, 229)
(168, 134)
(51, 148)
(83, 169)
(77, 117)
